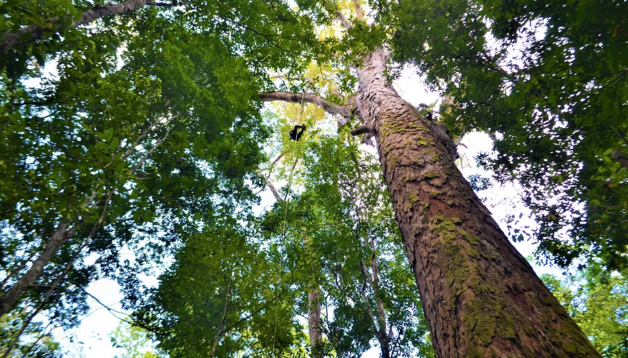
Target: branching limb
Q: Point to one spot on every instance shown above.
(345, 23)
(270, 186)
(360, 130)
(32, 33)
(151, 151)
(60, 278)
(359, 12)
(342, 110)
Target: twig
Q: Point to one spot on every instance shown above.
(151, 151)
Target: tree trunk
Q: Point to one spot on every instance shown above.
(314, 304)
(480, 296)
(33, 33)
(9, 298)
(313, 322)
(382, 335)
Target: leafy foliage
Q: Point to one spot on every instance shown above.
(38, 343)
(133, 340)
(597, 300)
(549, 80)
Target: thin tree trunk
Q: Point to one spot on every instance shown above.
(481, 298)
(221, 329)
(61, 235)
(313, 321)
(9, 298)
(33, 33)
(15, 271)
(380, 331)
(314, 303)
(383, 336)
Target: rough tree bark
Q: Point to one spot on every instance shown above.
(481, 298)
(33, 33)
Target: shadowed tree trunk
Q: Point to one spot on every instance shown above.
(314, 304)
(383, 335)
(313, 321)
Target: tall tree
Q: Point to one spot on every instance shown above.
(597, 300)
(108, 156)
(480, 296)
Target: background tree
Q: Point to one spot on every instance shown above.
(105, 158)
(133, 340)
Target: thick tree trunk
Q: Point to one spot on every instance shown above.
(9, 298)
(480, 296)
(33, 33)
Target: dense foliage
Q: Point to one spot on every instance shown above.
(597, 301)
(548, 80)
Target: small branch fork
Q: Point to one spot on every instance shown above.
(270, 186)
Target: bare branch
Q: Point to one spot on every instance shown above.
(347, 25)
(151, 151)
(270, 186)
(360, 130)
(342, 110)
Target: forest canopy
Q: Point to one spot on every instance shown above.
(139, 139)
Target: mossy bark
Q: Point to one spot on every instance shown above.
(480, 296)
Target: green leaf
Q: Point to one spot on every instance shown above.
(114, 143)
(108, 134)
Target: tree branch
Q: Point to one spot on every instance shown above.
(270, 186)
(620, 157)
(342, 110)
(33, 33)
(150, 152)
(360, 130)
(347, 25)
